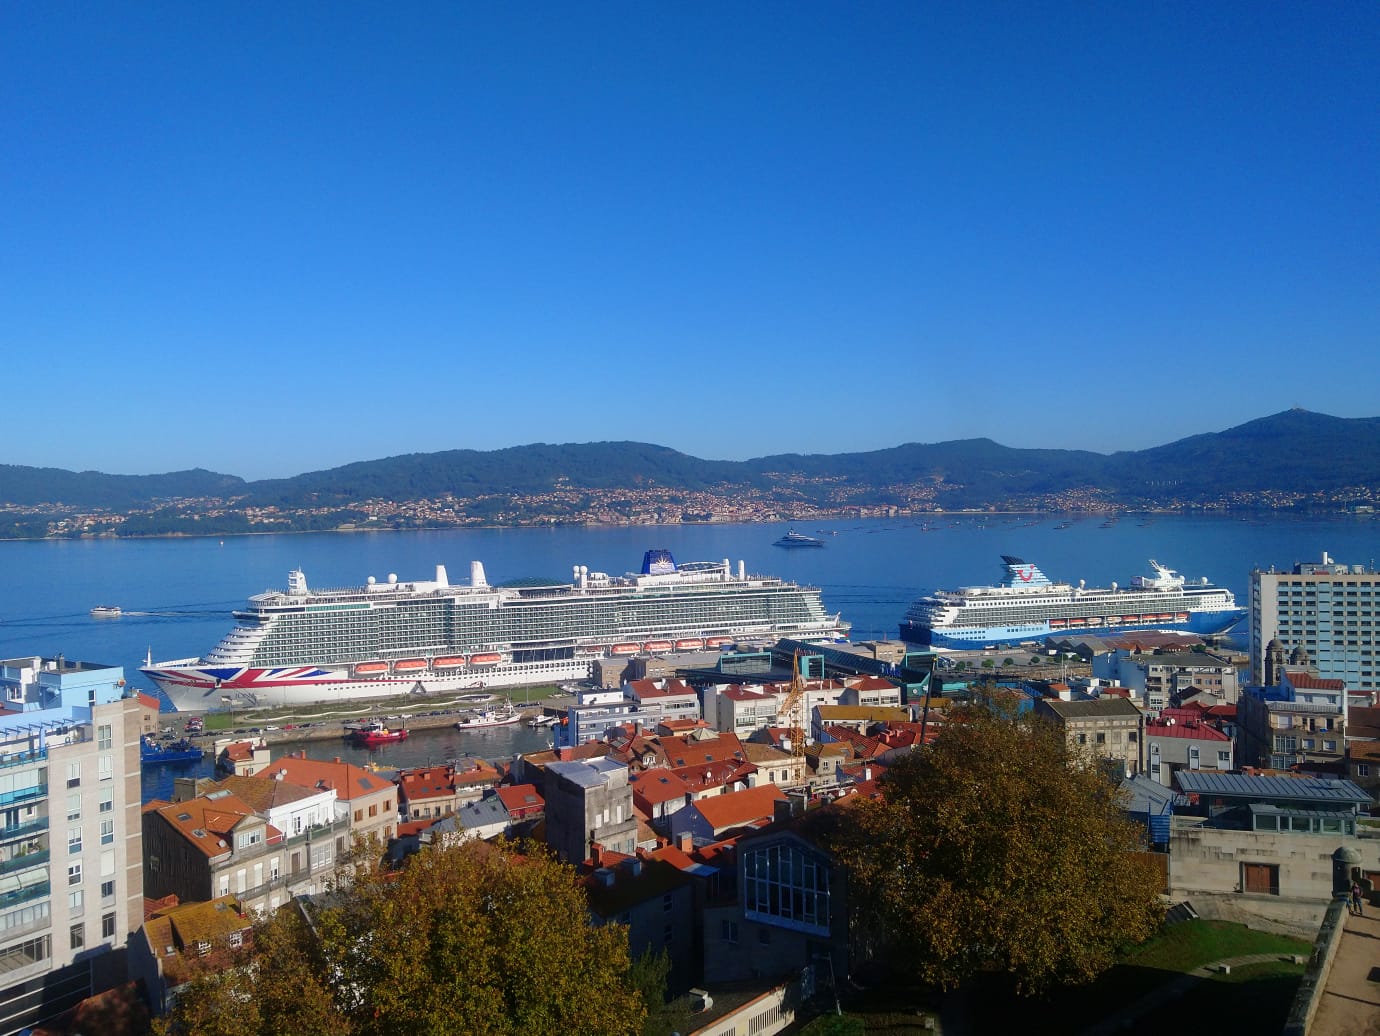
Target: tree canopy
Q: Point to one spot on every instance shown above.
(470, 939)
(999, 849)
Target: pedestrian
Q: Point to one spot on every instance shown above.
(1356, 899)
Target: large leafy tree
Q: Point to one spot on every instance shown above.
(470, 939)
(999, 849)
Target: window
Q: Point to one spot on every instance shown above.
(74, 839)
(103, 737)
(1363, 769)
(104, 768)
(74, 874)
(74, 901)
(107, 890)
(236, 939)
(73, 806)
(1329, 746)
(1101, 738)
(729, 932)
(107, 832)
(77, 936)
(374, 810)
(107, 802)
(359, 815)
(107, 926)
(73, 774)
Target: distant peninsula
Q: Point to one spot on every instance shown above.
(1296, 460)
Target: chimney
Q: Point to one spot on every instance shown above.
(596, 853)
(686, 842)
(336, 759)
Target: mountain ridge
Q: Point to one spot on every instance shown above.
(1291, 450)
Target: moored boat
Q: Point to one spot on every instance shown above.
(375, 733)
(395, 637)
(180, 751)
(1027, 607)
(489, 718)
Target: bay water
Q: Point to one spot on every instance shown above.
(177, 595)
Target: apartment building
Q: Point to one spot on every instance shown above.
(1329, 610)
(588, 801)
(70, 838)
(1102, 728)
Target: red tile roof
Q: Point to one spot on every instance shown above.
(722, 812)
(349, 781)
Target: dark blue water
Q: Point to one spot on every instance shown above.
(181, 591)
(178, 593)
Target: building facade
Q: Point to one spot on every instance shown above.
(588, 801)
(1329, 610)
(1103, 728)
(70, 839)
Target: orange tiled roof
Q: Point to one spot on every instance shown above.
(349, 781)
(740, 807)
(209, 821)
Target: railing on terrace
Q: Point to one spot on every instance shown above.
(9, 834)
(319, 831)
(22, 794)
(22, 758)
(19, 863)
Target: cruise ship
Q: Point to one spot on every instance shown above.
(1028, 606)
(392, 637)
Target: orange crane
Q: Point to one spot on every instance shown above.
(792, 709)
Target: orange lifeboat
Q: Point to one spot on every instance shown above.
(693, 644)
(370, 668)
(625, 649)
(1181, 617)
(657, 645)
(409, 665)
(486, 658)
(714, 642)
(449, 661)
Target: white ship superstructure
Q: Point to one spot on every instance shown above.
(393, 637)
(1028, 606)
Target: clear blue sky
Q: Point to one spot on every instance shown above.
(273, 238)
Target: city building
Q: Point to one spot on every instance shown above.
(1298, 720)
(71, 889)
(368, 800)
(1105, 728)
(180, 936)
(1184, 739)
(588, 801)
(1329, 611)
(1158, 677)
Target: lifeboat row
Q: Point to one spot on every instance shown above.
(406, 666)
(1117, 620)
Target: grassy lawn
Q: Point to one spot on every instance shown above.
(1253, 999)
(257, 717)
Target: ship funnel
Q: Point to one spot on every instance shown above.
(297, 581)
(441, 579)
(742, 569)
(477, 574)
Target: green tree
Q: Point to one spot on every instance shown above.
(998, 849)
(476, 939)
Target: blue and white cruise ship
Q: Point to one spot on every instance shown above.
(1027, 606)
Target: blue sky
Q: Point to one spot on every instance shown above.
(273, 238)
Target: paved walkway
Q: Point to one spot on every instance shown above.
(1351, 1000)
(1172, 990)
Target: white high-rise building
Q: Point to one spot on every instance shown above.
(71, 879)
(1323, 614)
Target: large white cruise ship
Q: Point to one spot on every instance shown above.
(388, 638)
(1027, 606)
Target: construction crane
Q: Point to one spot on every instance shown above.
(792, 710)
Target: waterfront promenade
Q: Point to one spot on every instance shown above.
(1351, 1001)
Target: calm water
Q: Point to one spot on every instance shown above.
(178, 594)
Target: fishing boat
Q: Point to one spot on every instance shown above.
(151, 753)
(537, 722)
(487, 718)
(376, 733)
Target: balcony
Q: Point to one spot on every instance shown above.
(9, 834)
(22, 758)
(14, 897)
(23, 794)
(19, 863)
(319, 831)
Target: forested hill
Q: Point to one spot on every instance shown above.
(1286, 453)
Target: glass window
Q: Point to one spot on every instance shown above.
(103, 737)
(74, 900)
(74, 874)
(107, 889)
(73, 806)
(77, 936)
(74, 839)
(104, 768)
(108, 926)
(107, 832)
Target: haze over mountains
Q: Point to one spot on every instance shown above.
(1290, 452)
